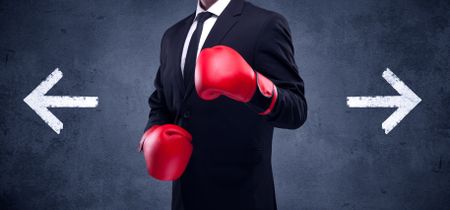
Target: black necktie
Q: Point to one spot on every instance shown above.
(191, 56)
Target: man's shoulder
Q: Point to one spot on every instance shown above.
(262, 13)
(175, 27)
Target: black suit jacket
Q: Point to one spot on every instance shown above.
(230, 167)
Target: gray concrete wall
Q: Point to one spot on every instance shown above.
(340, 159)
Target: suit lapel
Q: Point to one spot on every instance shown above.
(224, 23)
(179, 43)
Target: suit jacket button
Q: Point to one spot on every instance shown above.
(186, 114)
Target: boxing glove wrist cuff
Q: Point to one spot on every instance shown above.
(272, 103)
(265, 96)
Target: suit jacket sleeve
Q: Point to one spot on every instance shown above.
(274, 59)
(159, 114)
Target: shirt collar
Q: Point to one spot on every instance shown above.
(217, 8)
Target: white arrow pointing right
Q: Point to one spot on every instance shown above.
(405, 102)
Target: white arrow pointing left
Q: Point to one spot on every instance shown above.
(40, 102)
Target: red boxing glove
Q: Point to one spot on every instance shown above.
(167, 149)
(221, 70)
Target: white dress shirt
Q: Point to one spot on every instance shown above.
(216, 9)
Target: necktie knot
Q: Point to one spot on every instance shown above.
(203, 16)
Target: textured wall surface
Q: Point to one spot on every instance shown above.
(340, 159)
